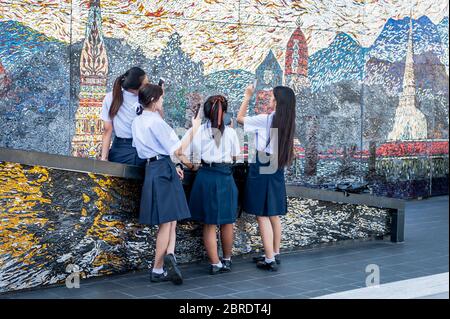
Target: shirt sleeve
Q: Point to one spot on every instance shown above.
(167, 137)
(133, 133)
(255, 123)
(195, 147)
(104, 115)
(235, 143)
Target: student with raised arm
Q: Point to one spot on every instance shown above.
(265, 191)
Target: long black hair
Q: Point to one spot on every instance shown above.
(214, 109)
(284, 121)
(130, 80)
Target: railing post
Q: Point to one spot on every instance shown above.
(398, 225)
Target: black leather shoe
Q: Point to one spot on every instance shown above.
(272, 266)
(172, 269)
(214, 270)
(226, 265)
(154, 277)
(262, 258)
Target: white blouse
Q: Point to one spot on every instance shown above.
(153, 136)
(260, 126)
(204, 147)
(124, 117)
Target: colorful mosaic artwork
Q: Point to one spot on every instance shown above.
(53, 219)
(371, 77)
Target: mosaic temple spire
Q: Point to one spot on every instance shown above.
(296, 61)
(410, 123)
(93, 79)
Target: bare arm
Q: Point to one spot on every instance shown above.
(244, 106)
(183, 159)
(106, 139)
(187, 139)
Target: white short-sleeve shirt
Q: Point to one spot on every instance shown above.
(260, 126)
(124, 117)
(204, 147)
(153, 136)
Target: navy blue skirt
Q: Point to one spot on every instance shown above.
(265, 194)
(122, 151)
(162, 198)
(214, 196)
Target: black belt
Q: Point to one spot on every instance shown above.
(155, 158)
(123, 139)
(216, 164)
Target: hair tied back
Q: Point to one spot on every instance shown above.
(218, 100)
(139, 109)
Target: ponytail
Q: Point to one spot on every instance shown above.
(139, 109)
(130, 80)
(215, 107)
(117, 96)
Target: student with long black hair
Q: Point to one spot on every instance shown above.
(265, 191)
(118, 112)
(163, 202)
(214, 195)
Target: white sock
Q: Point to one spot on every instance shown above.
(219, 264)
(158, 271)
(274, 254)
(229, 259)
(269, 260)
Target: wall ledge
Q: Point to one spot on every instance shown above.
(86, 165)
(70, 163)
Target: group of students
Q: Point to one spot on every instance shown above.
(134, 112)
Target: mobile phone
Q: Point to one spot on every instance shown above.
(255, 82)
(161, 82)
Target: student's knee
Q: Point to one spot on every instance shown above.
(262, 218)
(274, 218)
(227, 226)
(165, 226)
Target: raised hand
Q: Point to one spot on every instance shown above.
(249, 91)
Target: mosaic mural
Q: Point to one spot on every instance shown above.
(371, 77)
(52, 219)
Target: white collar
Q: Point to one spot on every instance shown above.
(125, 92)
(150, 113)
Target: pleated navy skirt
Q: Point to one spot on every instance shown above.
(122, 151)
(162, 198)
(214, 196)
(265, 194)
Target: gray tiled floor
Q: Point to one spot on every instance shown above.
(437, 296)
(303, 274)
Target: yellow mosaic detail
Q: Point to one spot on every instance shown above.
(20, 192)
